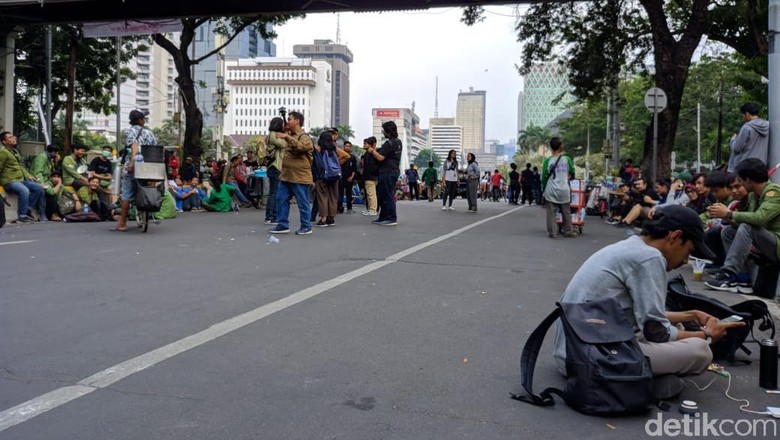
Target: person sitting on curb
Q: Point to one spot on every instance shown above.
(16, 179)
(71, 165)
(633, 272)
(759, 229)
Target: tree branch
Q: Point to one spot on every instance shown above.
(236, 31)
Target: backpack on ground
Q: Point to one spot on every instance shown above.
(679, 299)
(607, 373)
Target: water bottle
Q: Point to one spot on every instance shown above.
(139, 158)
(767, 372)
(85, 208)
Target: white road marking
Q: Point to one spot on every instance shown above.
(18, 242)
(41, 404)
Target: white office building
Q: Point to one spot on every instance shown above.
(444, 135)
(259, 87)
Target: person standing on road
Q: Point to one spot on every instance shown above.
(752, 140)
(449, 180)
(514, 184)
(537, 186)
(527, 183)
(496, 181)
(296, 178)
(556, 172)
(389, 158)
(430, 177)
(370, 176)
(348, 173)
(412, 177)
(472, 180)
(276, 147)
(135, 136)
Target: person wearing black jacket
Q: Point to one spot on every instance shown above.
(370, 176)
(348, 173)
(527, 183)
(389, 158)
(643, 199)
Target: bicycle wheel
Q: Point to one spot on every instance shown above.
(146, 220)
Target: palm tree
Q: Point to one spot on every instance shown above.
(532, 137)
(346, 133)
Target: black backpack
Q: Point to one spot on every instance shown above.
(606, 372)
(679, 299)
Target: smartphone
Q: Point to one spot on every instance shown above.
(732, 318)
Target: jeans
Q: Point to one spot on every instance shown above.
(273, 187)
(241, 197)
(384, 190)
(739, 241)
(301, 193)
(29, 194)
(192, 202)
(345, 189)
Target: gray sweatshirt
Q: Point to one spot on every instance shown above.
(752, 141)
(634, 274)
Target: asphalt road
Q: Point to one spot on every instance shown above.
(201, 329)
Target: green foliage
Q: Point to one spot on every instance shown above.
(425, 155)
(530, 139)
(95, 70)
(81, 134)
(167, 134)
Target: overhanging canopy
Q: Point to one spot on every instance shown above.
(22, 12)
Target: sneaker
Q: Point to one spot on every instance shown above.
(473, 211)
(621, 225)
(451, 208)
(743, 283)
(667, 387)
(270, 222)
(320, 224)
(24, 219)
(387, 223)
(279, 230)
(376, 221)
(349, 211)
(724, 281)
(612, 221)
(303, 231)
(443, 208)
(330, 222)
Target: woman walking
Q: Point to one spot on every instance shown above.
(450, 180)
(472, 179)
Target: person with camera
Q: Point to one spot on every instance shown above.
(296, 177)
(389, 158)
(135, 136)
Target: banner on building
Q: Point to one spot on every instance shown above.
(130, 27)
(388, 114)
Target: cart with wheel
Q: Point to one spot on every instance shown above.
(150, 179)
(577, 206)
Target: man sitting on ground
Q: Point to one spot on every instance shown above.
(643, 198)
(91, 195)
(633, 271)
(102, 168)
(71, 165)
(56, 188)
(759, 229)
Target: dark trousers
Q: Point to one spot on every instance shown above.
(345, 189)
(51, 206)
(273, 187)
(528, 194)
(715, 242)
(496, 193)
(414, 190)
(452, 192)
(384, 194)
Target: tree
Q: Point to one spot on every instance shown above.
(91, 61)
(228, 29)
(346, 133)
(597, 40)
(530, 139)
(425, 155)
(167, 133)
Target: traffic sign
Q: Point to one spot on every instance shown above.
(655, 100)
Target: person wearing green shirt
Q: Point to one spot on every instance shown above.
(70, 167)
(16, 179)
(220, 198)
(44, 163)
(90, 195)
(430, 177)
(759, 229)
(56, 189)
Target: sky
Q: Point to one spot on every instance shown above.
(397, 56)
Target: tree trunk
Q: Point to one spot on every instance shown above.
(192, 114)
(66, 143)
(672, 58)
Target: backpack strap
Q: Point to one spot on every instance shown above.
(528, 363)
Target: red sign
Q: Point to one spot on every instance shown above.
(388, 113)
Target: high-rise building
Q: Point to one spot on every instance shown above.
(470, 114)
(258, 87)
(339, 56)
(444, 135)
(520, 112)
(247, 44)
(544, 84)
(407, 122)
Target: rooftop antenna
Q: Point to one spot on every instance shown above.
(338, 28)
(436, 101)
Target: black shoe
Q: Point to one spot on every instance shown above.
(320, 224)
(330, 222)
(724, 281)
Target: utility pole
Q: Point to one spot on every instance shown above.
(616, 126)
(48, 121)
(220, 102)
(774, 85)
(119, 141)
(718, 147)
(698, 137)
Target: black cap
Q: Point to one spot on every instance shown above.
(681, 218)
